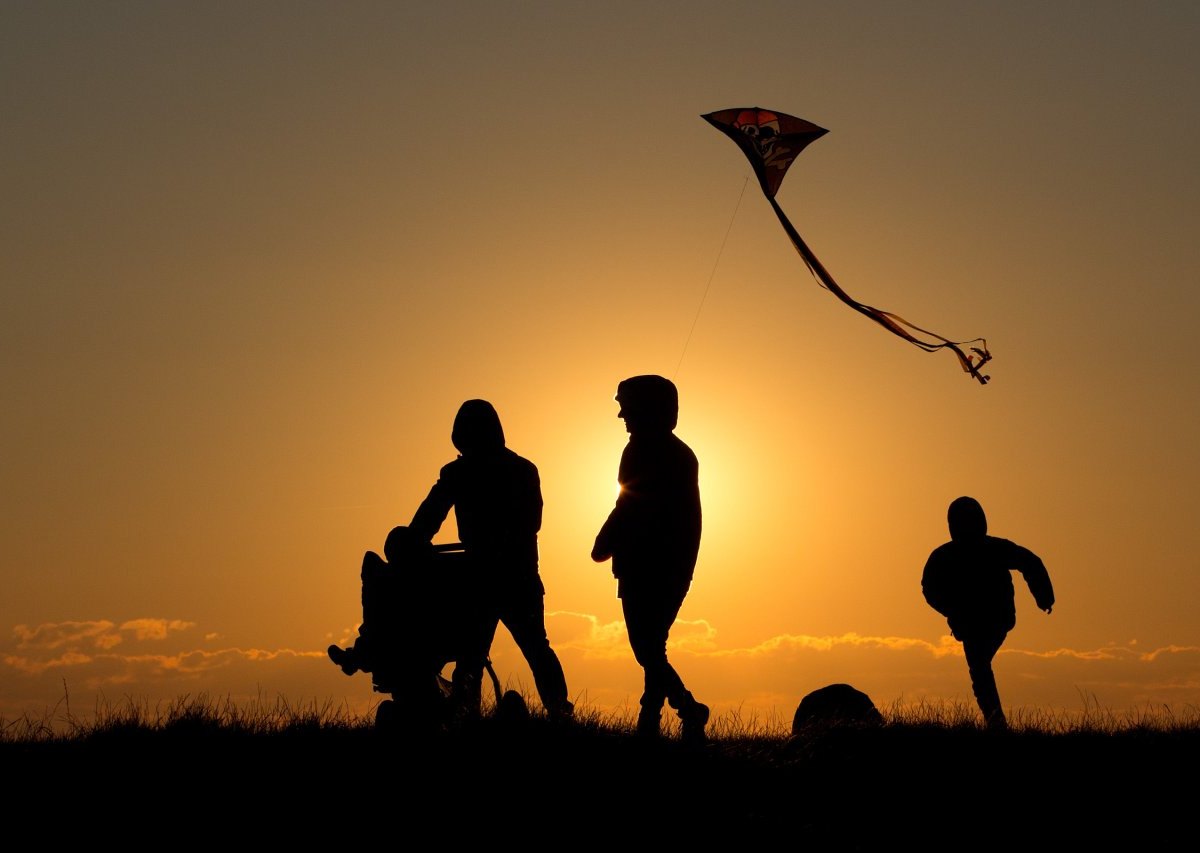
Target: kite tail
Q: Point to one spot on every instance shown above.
(893, 323)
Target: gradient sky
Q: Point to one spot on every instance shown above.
(255, 255)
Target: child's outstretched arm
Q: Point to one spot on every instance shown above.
(1032, 568)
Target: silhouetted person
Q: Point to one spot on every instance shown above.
(497, 500)
(968, 580)
(653, 537)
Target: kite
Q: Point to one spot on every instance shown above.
(771, 140)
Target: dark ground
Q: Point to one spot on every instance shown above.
(588, 785)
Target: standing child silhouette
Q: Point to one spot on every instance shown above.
(653, 537)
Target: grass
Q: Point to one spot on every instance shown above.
(280, 716)
(1091, 719)
(184, 715)
(929, 771)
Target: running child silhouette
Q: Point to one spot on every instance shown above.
(969, 581)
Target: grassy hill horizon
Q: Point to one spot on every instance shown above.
(304, 772)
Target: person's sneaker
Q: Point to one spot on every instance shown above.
(694, 719)
(344, 658)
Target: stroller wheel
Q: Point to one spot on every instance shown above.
(387, 715)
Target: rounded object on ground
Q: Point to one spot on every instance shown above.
(834, 705)
(512, 708)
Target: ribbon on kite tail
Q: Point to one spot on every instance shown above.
(771, 140)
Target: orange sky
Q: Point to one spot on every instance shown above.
(255, 257)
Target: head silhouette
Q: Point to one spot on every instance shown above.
(648, 403)
(966, 519)
(477, 428)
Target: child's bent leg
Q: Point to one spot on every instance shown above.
(980, 648)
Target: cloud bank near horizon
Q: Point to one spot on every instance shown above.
(158, 659)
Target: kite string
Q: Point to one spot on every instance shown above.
(711, 276)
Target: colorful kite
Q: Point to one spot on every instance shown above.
(771, 141)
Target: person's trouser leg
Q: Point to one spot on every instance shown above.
(979, 648)
(525, 618)
(478, 629)
(648, 619)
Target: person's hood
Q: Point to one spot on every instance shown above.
(649, 401)
(477, 428)
(966, 519)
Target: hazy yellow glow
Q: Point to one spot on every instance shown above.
(256, 257)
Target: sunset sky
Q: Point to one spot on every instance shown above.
(255, 255)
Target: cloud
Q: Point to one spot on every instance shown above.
(588, 634)
(36, 684)
(609, 640)
(52, 635)
(155, 629)
(1171, 650)
(804, 642)
(99, 654)
(585, 633)
(33, 666)
(117, 668)
(782, 668)
(98, 633)
(164, 658)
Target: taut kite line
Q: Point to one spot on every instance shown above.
(771, 140)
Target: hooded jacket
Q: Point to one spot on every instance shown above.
(496, 495)
(653, 532)
(970, 582)
(969, 579)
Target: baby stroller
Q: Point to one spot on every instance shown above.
(422, 609)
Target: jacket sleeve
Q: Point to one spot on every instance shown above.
(934, 586)
(534, 503)
(1032, 568)
(695, 516)
(433, 510)
(608, 540)
(608, 537)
